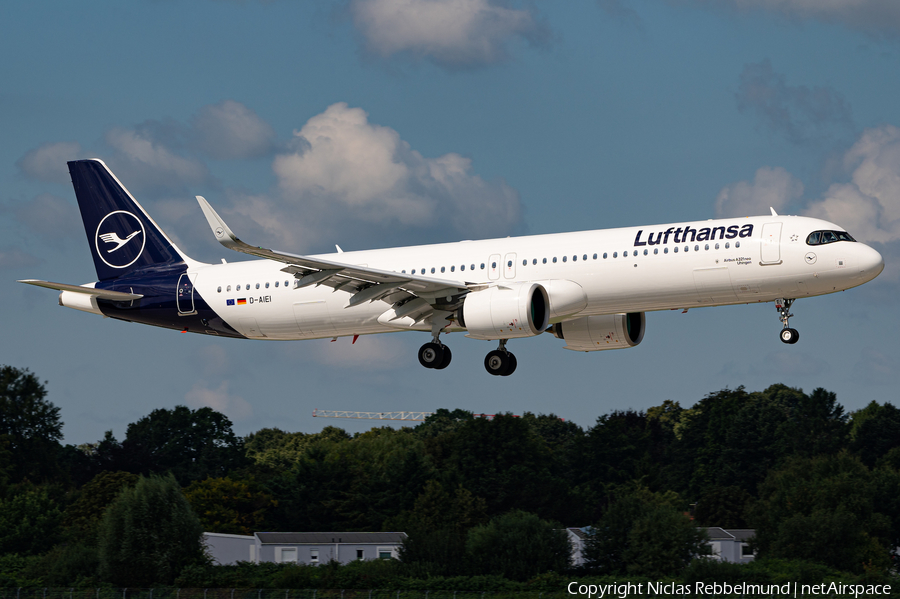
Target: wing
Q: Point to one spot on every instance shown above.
(366, 284)
(117, 296)
(111, 238)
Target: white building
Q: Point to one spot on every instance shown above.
(731, 545)
(303, 547)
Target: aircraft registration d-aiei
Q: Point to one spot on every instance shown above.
(590, 288)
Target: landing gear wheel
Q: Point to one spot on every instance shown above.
(789, 336)
(512, 365)
(500, 363)
(445, 361)
(497, 362)
(431, 355)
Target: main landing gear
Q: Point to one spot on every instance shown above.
(788, 335)
(500, 362)
(435, 355)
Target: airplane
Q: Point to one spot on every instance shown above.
(590, 289)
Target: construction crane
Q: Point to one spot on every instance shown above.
(410, 416)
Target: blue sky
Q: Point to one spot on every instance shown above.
(376, 123)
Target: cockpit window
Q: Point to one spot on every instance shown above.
(823, 237)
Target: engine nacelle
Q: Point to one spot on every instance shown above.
(596, 333)
(506, 311)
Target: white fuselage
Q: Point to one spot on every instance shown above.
(586, 273)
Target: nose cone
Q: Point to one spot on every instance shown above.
(870, 263)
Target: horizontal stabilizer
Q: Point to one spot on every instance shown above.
(116, 296)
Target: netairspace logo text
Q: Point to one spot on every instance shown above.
(791, 589)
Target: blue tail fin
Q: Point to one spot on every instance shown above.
(122, 236)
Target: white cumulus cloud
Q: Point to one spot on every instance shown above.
(451, 33)
(48, 162)
(869, 205)
(347, 174)
(771, 187)
(148, 163)
(229, 130)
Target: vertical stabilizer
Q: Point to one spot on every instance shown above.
(122, 236)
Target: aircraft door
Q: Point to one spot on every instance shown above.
(185, 294)
(509, 266)
(770, 246)
(494, 267)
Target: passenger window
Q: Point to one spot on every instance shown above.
(442, 269)
(423, 271)
(482, 266)
(276, 282)
(604, 255)
(595, 257)
(545, 261)
(472, 267)
(727, 245)
(615, 254)
(267, 284)
(717, 246)
(432, 270)
(665, 250)
(285, 283)
(585, 257)
(645, 252)
(737, 244)
(219, 289)
(524, 263)
(565, 258)
(534, 262)
(257, 285)
(676, 249)
(509, 264)
(228, 288)
(706, 247)
(453, 269)
(463, 267)
(493, 265)
(655, 251)
(554, 259)
(696, 248)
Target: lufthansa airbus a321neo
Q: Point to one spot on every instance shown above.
(590, 289)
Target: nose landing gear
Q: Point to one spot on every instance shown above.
(788, 335)
(500, 362)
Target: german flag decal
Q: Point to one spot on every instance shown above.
(242, 301)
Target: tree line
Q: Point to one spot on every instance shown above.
(480, 499)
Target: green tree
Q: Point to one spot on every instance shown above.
(192, 444)
(149, 534)
(503, 460)
(29, 522)
(723, 506)
(30, 428)
(518, 545)
(643, 534)
(279, 450)
(437, 528)
(230, 506)
(876, 431)
(85, 512)
(824, 509)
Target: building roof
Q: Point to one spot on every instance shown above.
(718, 534)
(578, 532)
(742, 534)
(330, 538)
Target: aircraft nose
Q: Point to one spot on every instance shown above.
(870, 263)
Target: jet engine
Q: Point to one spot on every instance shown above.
(506, 311)
(596, 333)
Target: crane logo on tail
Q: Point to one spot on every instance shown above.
(117, 233)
